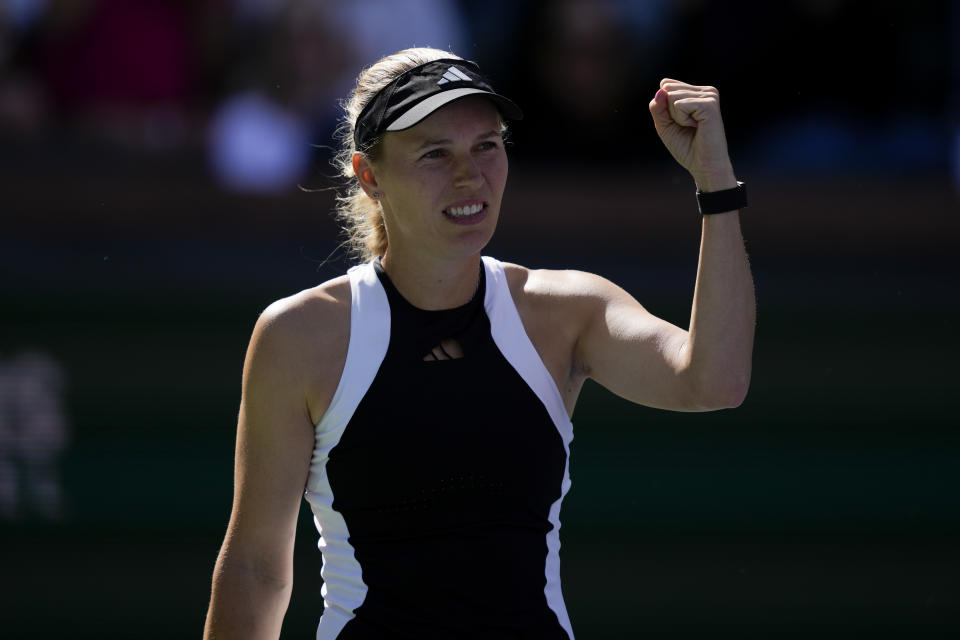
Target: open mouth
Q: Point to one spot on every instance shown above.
(467, 213)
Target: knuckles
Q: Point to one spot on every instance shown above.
(669, 85)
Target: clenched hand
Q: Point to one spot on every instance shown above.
(687, 118)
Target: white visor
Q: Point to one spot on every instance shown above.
(427, 106)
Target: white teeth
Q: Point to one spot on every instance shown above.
(465, 211)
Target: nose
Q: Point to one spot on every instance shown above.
(466, 172)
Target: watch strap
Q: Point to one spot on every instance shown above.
(725, 201)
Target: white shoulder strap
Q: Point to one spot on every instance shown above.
(344, 589)
(369, 337)
(511, 338)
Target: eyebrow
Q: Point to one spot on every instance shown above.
(440, 141)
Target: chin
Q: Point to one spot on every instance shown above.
(473, 241)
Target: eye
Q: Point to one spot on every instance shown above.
(433, 154)
(487, 145)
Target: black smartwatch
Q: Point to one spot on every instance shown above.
(722, 201)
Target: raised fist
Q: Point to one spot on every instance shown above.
(687, 118)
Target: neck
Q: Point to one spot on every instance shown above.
(433, 284)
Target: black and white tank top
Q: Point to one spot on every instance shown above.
(436, 484)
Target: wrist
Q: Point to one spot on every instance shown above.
(716, 182)
(722, 201)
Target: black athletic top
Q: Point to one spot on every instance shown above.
(446, 480)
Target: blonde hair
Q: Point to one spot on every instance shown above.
(361, 215)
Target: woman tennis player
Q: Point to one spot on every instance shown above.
(422, 401)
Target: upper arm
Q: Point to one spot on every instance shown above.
(628, 350)
(273, 448)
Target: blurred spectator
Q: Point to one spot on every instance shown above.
(827, 85)
(33, 434)
(376, 28)
(293, 62)
(257, 146)
(587, 69)
(370, 29)
(821, 85)
(124, 68)
(23, 100)
(278, 96)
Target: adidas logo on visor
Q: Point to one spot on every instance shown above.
(453, 75)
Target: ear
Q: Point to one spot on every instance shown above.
(363, 170)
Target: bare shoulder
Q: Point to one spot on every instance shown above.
(556, 307)
(565, 287)
(565, 301)
(302, 339)
(301, 314)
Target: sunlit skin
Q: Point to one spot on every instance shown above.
(453, 158)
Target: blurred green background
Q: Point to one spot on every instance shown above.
(135, 261)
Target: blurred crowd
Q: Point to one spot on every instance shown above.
(34, 432)
(816, 85)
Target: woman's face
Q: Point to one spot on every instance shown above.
(443, 180)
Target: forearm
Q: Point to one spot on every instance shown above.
(245, 603)
(719, 346)
(723, 317)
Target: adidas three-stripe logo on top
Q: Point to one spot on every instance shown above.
(453, 75)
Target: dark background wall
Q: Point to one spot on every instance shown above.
(150, 154)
